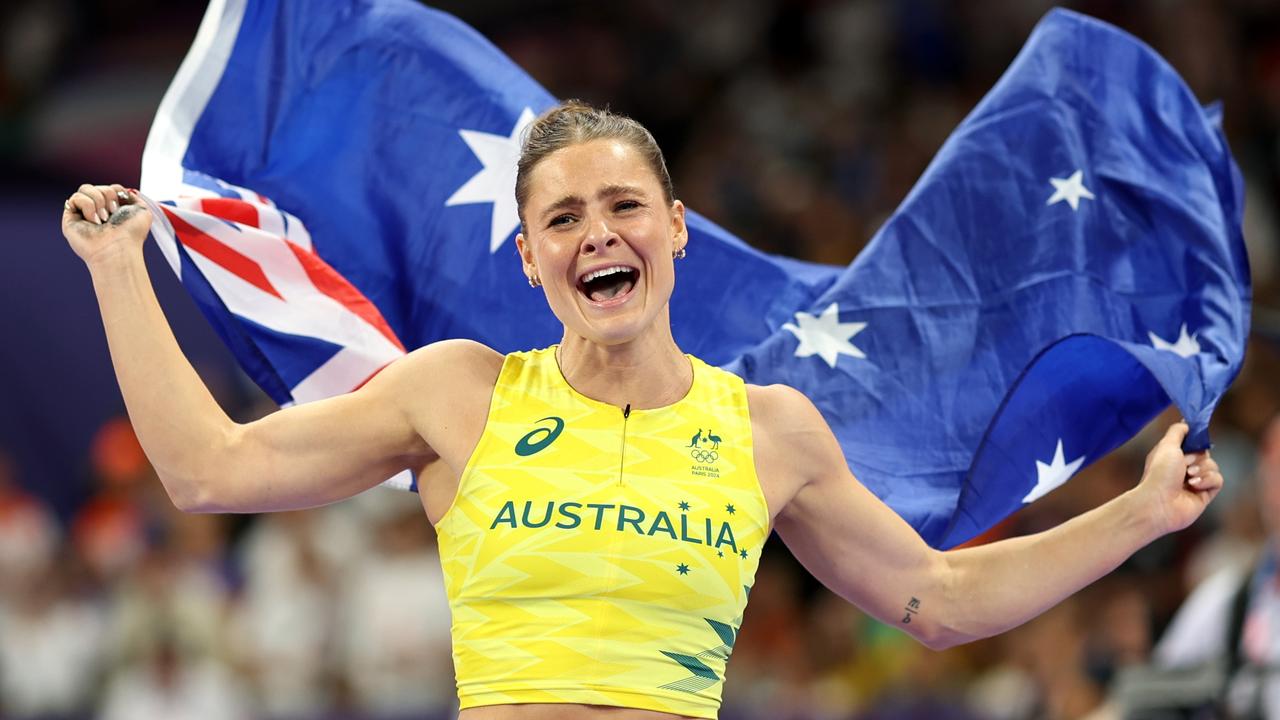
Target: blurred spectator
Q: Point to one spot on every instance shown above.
(1005, 689)
(110, 529)
(1202, 630)
(166, 629)
(167, 599)
(1044, 671)
(51, 645)
(284, 622)
(1053, 648)
(1120, 632)
(50, 637)
(29, 535)
(163, 684)
(395, 622)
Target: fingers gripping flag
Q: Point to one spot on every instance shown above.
(1069, 264)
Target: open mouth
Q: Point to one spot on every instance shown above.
(608, 283)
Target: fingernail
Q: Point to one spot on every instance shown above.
(1193, 470)
(1194, 481)
(102, 213)
(114, 206)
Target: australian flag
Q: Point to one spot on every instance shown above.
(337, 188)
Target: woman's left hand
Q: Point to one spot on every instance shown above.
(1178, 486)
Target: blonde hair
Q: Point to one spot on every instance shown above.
(572, 122)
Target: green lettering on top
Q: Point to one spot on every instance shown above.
(507, 515)
(662, 523)
(726, 537)
(575, 519)
(684, 531)
(528, 505)
(633, 521)
(599, 508)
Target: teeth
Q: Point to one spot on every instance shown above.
(604, 271)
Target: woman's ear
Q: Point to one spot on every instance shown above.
(526, 255)
(679, 230)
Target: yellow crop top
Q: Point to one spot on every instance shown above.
(599, 557)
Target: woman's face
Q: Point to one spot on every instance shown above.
(600, 236)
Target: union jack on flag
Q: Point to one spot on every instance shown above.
(1069, 264)
(259, 260)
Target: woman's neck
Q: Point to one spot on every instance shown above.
(644, 373)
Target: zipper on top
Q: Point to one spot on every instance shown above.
(605, 615)
(622, 452)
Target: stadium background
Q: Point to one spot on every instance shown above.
(797, 125)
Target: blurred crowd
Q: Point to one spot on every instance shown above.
(799, 125)
(133, 610)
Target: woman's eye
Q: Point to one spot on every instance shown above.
(560, 220)
(627, 205)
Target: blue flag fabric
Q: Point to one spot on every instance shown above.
(337, 188)
(1070, 262)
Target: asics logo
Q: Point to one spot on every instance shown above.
(538, 439)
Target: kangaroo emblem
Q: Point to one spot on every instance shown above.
(696, 438)
(714, 439)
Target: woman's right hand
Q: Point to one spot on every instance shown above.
(101, 219)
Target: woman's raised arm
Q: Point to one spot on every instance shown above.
(860, 549)
(302, 456)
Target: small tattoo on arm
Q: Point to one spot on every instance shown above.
(912, 608)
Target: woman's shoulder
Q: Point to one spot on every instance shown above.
(450, 364)
(780, 404)
(792, 441)
(458, 350)
(782, 415)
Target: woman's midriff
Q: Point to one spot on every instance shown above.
(563, 712)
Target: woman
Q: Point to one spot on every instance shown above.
(601, 503)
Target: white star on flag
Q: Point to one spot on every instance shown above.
(1070, 189)
(1185, 346)
(496, 181)
(1052, 474)
(824, 335)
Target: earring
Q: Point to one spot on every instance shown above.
(534, 281)
(678, 255)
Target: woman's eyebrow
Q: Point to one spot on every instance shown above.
(565, 202)
(568, 201)
(611, 190)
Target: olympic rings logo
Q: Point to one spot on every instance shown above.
(704, 456)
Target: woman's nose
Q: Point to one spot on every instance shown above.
(598, 237)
